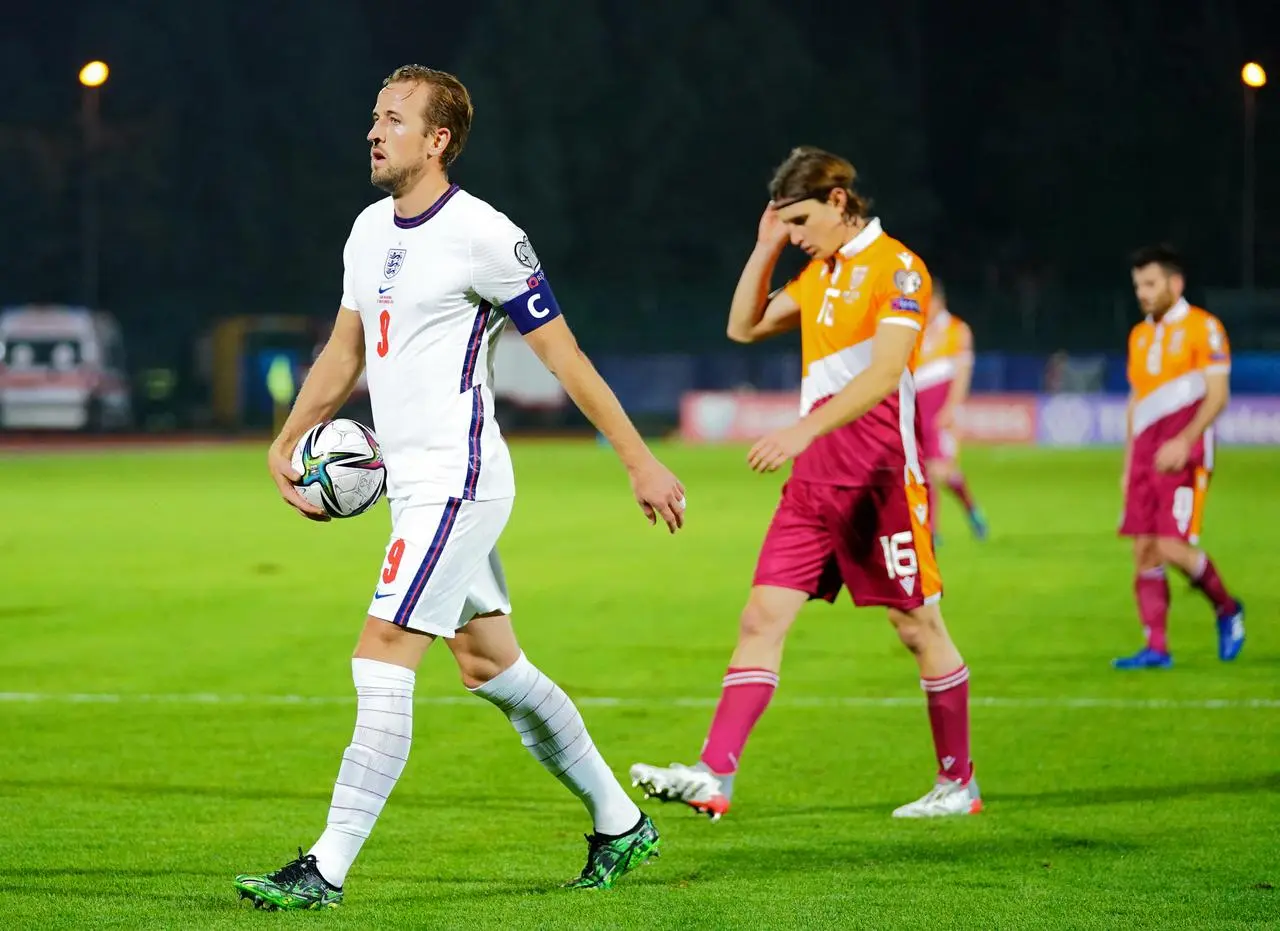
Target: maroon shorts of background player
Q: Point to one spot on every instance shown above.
(824, 537)
(935, 444)
(1165, 504)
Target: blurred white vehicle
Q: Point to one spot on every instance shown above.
(61, 368)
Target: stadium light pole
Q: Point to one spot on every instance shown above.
(1254, 78)
(92, 76)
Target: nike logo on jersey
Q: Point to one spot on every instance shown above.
(378, 595)
(382, 290)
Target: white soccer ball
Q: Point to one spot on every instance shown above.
(340, 467)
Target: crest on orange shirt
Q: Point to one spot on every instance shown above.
(907, 282)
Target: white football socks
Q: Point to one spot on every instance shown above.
(553, 731)
(370, 766)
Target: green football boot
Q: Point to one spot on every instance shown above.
(296, 885)
(610, 857)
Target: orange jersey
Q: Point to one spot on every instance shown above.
(1168, 362)
(873, 279)
(947, 344)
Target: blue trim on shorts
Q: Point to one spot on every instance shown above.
(429, 562)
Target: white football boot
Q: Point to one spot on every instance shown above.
(948, 798)
(696, 787)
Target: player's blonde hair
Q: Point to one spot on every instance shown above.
(812, 172)
(448, 105)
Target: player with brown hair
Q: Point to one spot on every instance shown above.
(854, 512)
(1179, 373)
(431, 277)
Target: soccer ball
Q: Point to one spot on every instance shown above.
(340, 467)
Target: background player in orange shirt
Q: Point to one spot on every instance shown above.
(1179, 368)
(854, 512)
(942, 380)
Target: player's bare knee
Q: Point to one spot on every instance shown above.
(1174, 552)
(1146, 554)
(379, 635)
(760, 621)
(476, 670)
(1167, 551)
(484, 648)
(918, 629)
(390, 643)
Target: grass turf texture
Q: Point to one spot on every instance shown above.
(182, 640)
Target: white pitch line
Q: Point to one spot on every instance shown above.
(982, 701)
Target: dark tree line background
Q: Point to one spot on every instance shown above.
(1015, 145)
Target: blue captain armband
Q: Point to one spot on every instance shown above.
(534, 307)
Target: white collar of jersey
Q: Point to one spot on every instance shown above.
(866, 236)
(1174, 313)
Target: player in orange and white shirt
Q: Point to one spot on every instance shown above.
(1179, 367)
(942, 383)
(854, 512)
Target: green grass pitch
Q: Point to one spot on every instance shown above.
(177, 695)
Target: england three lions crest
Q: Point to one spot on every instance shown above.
(393, 264)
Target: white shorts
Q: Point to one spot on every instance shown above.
(441, 567)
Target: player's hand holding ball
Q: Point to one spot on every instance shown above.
(659, 493)
(280, 465)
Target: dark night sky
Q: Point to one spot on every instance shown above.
(1006, 140)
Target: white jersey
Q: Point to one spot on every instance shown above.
(434, 292)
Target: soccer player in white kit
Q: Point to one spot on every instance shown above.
(431, 276)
